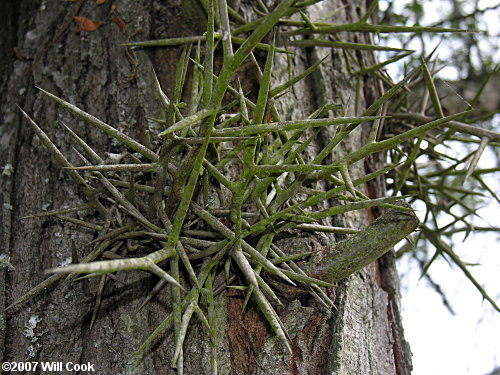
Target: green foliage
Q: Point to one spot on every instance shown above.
(205, 221)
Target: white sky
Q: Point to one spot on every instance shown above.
(469, 342)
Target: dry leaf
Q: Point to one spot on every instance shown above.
(18, 54)
(99, 2)
(83, 23)
(120, 22)
(113, 7)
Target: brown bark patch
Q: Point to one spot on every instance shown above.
(246, 332)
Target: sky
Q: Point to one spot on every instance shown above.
(467, 343)
(463, 344)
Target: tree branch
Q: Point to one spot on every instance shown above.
(366, 246)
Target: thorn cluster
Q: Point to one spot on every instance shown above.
(179, 199)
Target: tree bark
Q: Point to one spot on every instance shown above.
(93, 70)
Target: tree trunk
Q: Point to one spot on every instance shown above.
(94, 71)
